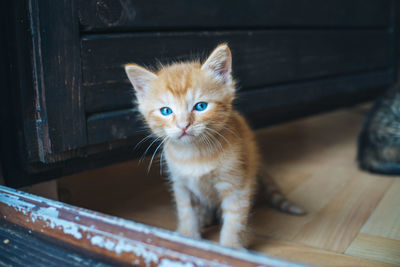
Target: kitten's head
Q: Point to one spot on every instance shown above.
(185, 101)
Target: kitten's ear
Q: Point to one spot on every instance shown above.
(220, 63)
(139, 77)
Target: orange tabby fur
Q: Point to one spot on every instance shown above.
(211, 155)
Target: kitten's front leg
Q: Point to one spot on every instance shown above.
(235, 207)
(188, 223)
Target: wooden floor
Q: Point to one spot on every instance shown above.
(353, 216)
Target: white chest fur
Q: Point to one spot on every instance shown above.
(199, 176)
(191, 169)
(187, 163)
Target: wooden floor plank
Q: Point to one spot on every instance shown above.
(314, 194)
(105, 189)
(299, 253)
(375, 248)
(338, 223)
(385, 220)
(308, 255)
(304, 158)
(313, 160)
(329, 185)
(156, 208)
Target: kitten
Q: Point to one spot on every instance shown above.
(379, 140)
(209, 149)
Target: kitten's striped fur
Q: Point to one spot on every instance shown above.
(211, 155)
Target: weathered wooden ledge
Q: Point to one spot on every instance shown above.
(117, 239)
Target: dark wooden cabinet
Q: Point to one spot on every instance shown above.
(67, 105)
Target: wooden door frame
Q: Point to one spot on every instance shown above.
(116, 239)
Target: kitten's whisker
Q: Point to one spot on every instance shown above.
(142, 140)
(154, 153)
(218, 142)
(149, 146)
(226, 140)
(230, 130)
(208, 142)
(162, 153)
(214, 140)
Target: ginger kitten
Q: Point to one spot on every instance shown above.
(209, 149)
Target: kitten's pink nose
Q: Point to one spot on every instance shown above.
(183, 125)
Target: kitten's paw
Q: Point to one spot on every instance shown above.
(236, 241)
(232, 244)
(189, 232)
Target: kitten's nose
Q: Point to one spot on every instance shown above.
(183, 125)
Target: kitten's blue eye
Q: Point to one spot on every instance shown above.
(200, 106)
(165, 111)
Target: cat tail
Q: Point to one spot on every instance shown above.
(271, 194)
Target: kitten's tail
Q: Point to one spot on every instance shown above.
(270, 192)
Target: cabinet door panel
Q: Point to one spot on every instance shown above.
(60, 115)
(123, 15)
(260, 58)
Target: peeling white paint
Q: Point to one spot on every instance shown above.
(139, 249)
(50, 216)
(138, 227)
(120, 244)
(50, 212)
(149, 253)
(100, 242)
(171, 263)
(16, 203)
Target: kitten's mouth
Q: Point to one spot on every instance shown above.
(185, 134)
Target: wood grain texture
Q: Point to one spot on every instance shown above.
(87, 189)
(20, 247)
(18, 95)
(385, 220)
(108, 15)
(115, 125)
(57, 69)
(313, 161)
(334, 231)
(260, 58)
(375, 248)
(296, 252)
(308, 255)
(118, 240)
(290, 43)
